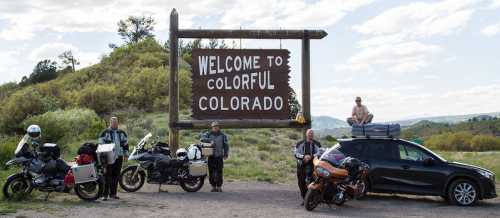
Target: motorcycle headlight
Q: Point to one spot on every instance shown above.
(323, 172)
(487, 174)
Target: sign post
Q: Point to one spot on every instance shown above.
(240, 88)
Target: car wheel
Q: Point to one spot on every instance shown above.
(463, 192)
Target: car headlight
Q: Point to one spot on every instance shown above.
(323, 172)
(486, 174)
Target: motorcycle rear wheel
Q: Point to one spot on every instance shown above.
(192, 185)
(89, 191)
(17, 186)
(312, 199)
(130, 184)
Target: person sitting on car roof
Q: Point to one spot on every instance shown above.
(360, 114)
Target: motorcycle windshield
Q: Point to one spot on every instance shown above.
(140, 145)
(21, 144)
(333, 156)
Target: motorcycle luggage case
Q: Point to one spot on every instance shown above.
(377, 130)
(207, 149)
(198, 168)
(84, 173)
(107, 153)
(52, 150)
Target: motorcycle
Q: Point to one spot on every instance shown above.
(157, 166)
(43, 170)
(337, 178)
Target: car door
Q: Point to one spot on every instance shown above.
(414, 174)
(381, 155)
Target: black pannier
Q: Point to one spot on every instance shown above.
(51, 150)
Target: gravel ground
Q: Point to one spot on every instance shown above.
(242, 199)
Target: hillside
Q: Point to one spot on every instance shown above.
(326, 122)
(444, 119)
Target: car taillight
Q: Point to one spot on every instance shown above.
(323, 172)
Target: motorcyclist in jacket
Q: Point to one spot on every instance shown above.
(118, 137)
(221, 152)
(305, 151)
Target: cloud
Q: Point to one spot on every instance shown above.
(395, 58)
(9, 60)
(401, 102)
(420, 19)
(24, 18)
(289, 14)
(394, 40)
(491, 30)
(53, 50)
(495, 4)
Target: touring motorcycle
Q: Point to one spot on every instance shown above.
(156, 165)
(337, 178)
(44, 170)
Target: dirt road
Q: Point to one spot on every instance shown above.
(241, 199)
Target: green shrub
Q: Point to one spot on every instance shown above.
(7, 147)
(68, 125)
(485, 143)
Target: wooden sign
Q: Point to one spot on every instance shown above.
(240, 84)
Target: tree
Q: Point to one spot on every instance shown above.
(293, 104)
(68, 59)
(136, 28)
(44, 71)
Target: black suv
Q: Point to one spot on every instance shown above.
(400, 166)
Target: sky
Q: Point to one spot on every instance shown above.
(406, 59)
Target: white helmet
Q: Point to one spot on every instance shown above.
(194, 152)
(34, 131)
(181, 154)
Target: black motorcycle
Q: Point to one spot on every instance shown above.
(42, 169)
(157, 166)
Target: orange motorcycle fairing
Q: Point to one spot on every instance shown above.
(336, 172)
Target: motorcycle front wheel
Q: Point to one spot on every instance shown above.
(17, 186)
(193, 184)
(129, 182)
(312, 199)
(89, 191)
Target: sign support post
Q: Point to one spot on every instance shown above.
(174, 81)
(306, 84)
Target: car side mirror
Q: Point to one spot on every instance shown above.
(429, 161)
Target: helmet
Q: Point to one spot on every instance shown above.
(34, 131)
(181, 154)
(194, 152)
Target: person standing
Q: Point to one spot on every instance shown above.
(220, 144)
(305, 151)
(118, 137)
(360, 114)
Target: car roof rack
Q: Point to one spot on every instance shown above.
(374, 137)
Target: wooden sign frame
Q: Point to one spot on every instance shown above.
(175, 125)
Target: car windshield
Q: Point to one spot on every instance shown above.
(333, 156)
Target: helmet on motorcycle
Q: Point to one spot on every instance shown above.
(34, 131)
(181, 154)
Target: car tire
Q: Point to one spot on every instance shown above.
(463, 192)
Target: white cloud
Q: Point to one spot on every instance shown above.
(395, 58)
(53, 50)
(420, 19)
(9, 61)
(491, 30)
(495, 4)
(24, 18)
(289, 14)
(394, 39)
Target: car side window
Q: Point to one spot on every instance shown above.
(353, 149)
(408, 152)
(381, 150)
